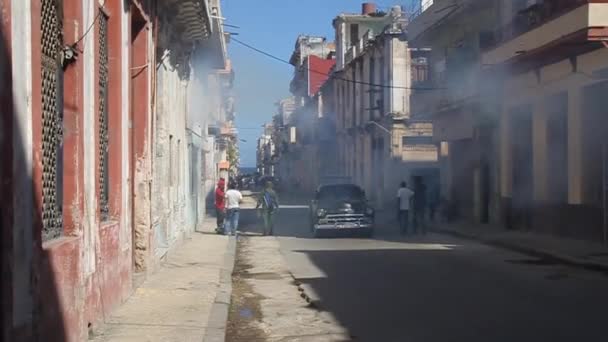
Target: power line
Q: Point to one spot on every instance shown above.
(326, 74)
(86, 33)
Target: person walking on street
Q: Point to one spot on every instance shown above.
(404, 197)
(419, 206)
(233, 205)
(269, 203)
(220, 205)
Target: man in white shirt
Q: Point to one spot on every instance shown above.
(404, 198)
(233, 200)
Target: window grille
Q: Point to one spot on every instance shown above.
(52, 119)
(103, 117)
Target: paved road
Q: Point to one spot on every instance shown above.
(439, 288)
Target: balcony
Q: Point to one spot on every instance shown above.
(460, 85)
(359, 48)
(550, 29)
(431, 13)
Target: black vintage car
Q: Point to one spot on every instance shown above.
(341, 207)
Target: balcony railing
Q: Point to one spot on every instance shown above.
(357, 49)
(536, 15)
(424, 5)
(421, 76)
(440, 95)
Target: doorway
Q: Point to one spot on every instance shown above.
(522, 158)
(595, 164)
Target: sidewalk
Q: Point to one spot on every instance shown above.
(587, 254)
(185, 300)
(268, 305)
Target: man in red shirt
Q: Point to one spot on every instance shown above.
(220, 205)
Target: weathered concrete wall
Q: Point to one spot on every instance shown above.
(141, 120)
(56, 289)
(62, 285)
(171, 167)
(198, 150)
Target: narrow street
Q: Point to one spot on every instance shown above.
(431, 288)
(135, 133)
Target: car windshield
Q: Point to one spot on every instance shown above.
(340, 193)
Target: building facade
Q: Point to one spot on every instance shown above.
(266, 151)
(461, 101)
(310, 74)
(282, 135)
(87, 136)
(295, 155)
(379, 144)
(551, 58)
(518, 112)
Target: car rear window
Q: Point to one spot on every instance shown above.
(340, 192)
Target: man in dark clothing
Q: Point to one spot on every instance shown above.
(268, 202)
(420, 205)
(220, 205)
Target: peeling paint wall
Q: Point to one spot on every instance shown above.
(170, 173)
(62, 285)
(140, 130)
(89, 141)
(125, 231)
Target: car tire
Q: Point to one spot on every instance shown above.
(316, 233)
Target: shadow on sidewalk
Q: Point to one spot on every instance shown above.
(588, 254)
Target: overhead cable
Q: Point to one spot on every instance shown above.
(86, 33)
(373, 85)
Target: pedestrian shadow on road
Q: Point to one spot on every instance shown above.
(289, 221)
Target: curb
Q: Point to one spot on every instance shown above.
(306, 291)
(218, 317)
(309, 295)
(564, 259)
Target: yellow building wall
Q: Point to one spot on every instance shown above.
(533, 88)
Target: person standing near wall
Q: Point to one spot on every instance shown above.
(269, 203)
(233, 207)
(220, 205)
(404, 197)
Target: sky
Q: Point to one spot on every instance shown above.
(273, 26)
